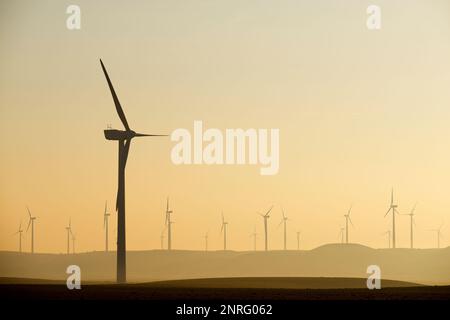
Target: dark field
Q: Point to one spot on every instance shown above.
(228, 289)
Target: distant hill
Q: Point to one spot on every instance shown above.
(424, 266)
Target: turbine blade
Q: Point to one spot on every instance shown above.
(106, 207)
(29, 222)
(116, 100)
(29, 213)
(126, 150)
(267, 213)
(150, 135)
(350, 221)
(389, 210)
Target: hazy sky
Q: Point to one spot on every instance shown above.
(359, 112)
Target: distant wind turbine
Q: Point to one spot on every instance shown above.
(341, 234)
(169, 223)
(412, 223)
(283, 221)
(298, 240)
(224, 230)
(19, 232)
(69, 231)
(347, 220)
(438, 235)
(393, 209)
(106, 225)
(206, 241)
(265, 217)
(123, 137)
(31, 222)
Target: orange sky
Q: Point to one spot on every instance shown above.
(359, 112)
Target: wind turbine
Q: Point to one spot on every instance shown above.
(206, 241)
(123, 137)
(254, 234)
(341, 234)
(412, 222)
(389, 237)
(169, 225)
(106, 225)
(347, 220)
(69, 231)
(73, 243)
(298, 240)
(31, 222)
(224, 229)
(283, 221)
(19, 232)
(393, 208)
(439, 235)
(265, 217)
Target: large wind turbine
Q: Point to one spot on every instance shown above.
(265, 217)
(69, 232)
(412, 223)
(19, 232)
(123, 137)
(106, 225)
(224, 230)
(169, 223)
(393, 208)
(31, 222)
(347, 220)
(439, 235)
(283, 221)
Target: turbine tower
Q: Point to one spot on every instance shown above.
(69, 231)
(298, 240)
(206, 241)
(123, 137)
(31, 222)
(283, 221)
(412, 223)
(347, 220)
(254, 234)
(224, 229)
(393, 208)
(19, 232)
(169, 223)
(106, 225)
(438, 235)
(265, 217)
(341, 234)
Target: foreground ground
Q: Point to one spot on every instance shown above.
(227, 289)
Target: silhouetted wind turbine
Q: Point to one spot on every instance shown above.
(206, 241)
(169, 223)
(283, 221)
(224, 230)
(347, 220)
(69, 231)
(298, 240)
(124, 140)
(412, 223)
(31, 222)
(106, 225)
(265, 217)
(341, 234)
(254, 234)
(19, 232)
(439, 235)
(393, 208)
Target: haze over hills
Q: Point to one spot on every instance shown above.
(423, 266)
